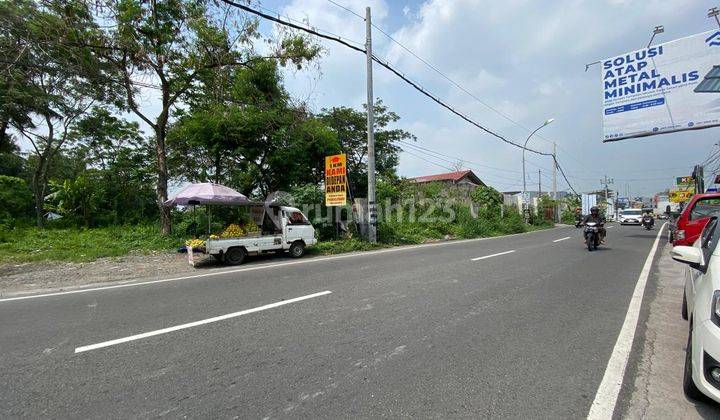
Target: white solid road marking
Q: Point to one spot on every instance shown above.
(561, 239)
(260, 267)
(609, 227)
(196, 323)
(606, 397)
(493, 255)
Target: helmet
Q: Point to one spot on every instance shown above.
(594, 210)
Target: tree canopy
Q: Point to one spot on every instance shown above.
(115, 102)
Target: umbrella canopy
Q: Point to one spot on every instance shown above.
(206, 193)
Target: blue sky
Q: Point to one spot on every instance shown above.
(523, 58)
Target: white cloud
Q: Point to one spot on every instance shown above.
(524, 58)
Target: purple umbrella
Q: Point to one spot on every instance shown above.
(206, 193)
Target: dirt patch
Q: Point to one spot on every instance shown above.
(56, 275)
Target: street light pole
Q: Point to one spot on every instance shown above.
(713, 13)
(524, 198)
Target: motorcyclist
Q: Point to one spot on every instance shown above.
(578, 216)
(649, 217)
(595, 216)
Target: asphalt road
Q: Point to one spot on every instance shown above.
(414, 332)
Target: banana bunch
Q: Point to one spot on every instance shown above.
(251, 227)
(194, 243)
(213, 237)
(232, 231)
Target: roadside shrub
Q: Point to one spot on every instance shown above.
(16, 200)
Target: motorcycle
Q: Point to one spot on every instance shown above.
(648, 222)
(592, 235)
(578, 220)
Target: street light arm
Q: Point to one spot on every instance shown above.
(523, 160)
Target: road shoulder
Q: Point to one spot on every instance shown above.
(653, 380)
(161, 267)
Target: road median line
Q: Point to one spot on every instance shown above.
(196, 323)
(562, 239)
(492, 255)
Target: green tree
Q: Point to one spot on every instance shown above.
(102, 139)
(16, 199)
(252, 137)
(60, 79)
(350, 126)
(12, 164)
(177, 42)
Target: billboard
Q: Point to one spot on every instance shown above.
(665, 88)
(681, 196)
(335, 180)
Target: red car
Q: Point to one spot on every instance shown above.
(694, 217)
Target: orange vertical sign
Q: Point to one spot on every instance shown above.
(335, 180)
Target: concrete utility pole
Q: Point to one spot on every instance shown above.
(539, 185)
(372, 210)
(554, 195)
(699, 176)
(606, 181)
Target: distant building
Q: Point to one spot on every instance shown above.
(514, 198)
(465, 178)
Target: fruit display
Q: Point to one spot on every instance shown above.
(195, 243)
(251, 227)
(233, 231)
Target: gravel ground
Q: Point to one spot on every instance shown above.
(53, 275)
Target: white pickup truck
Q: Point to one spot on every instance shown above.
(281, 229)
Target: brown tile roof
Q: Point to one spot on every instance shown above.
(450, 176)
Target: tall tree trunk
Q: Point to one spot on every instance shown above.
(162, 180)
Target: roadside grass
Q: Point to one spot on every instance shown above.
(81, 245)
(29, 244)
(409, 234)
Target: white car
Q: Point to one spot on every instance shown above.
(631, 217)
(701, 307)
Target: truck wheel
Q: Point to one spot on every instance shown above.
(234, 256)
(297, 249)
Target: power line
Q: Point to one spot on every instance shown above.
(453, 82)
(565, 177)
(428, 161)
(388, 67)
(349, 10)
(398, 74)
(429, 152)
(457, 158)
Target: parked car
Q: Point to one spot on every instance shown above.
(701, 307)
(694, 217)
(631, 217)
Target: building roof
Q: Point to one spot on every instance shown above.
(711, 82)
(450, 176)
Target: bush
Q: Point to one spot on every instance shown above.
(16, 200)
